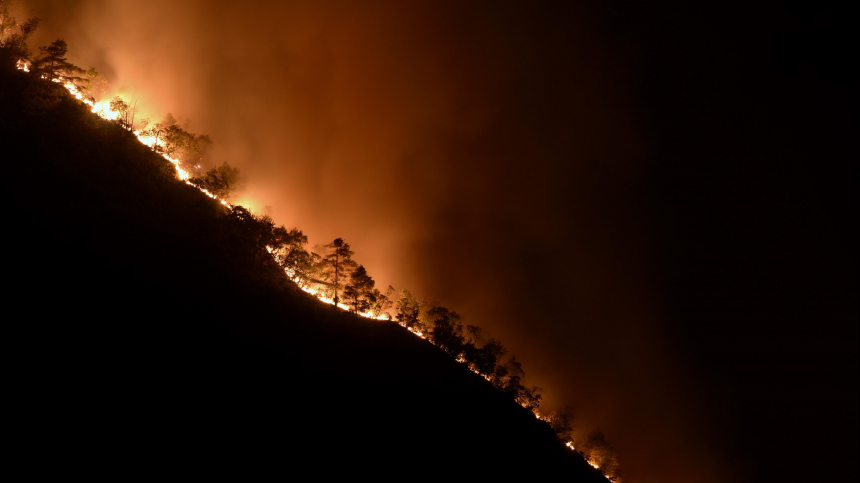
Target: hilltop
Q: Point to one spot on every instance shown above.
(145, 338)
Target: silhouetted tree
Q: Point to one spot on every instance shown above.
(409, 311)
(13, 44)
(289, 246)
(223, 181)
(53, 64)
(508, 377)
(487, 358)
(473, 335)
(380, 302)
(157, 130)
(183, 145)
(337, 265)
(559, 420)
(471, 344)
(529, 397)
(314, 270)
(445, 329)
(600, 453)
(254, 234)
(359, 290)
(123, 110)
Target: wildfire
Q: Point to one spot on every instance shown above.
(103, 110)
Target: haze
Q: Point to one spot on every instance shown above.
(487, 157)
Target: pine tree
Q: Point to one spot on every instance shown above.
(337, 264)
(52, 64)
(359, 290)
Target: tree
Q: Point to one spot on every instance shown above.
(471, 352)
(559, 420)
(52, 64)
(253, 233)
(473, 335)
(183, 145)
(313, 270)
(600, 454)
(508, 377)
(487, 357)
(223, 181)
(380, 302)
(13, 45)
(359, 290)
(336, 265)
(157, 130)
(174, 141)
(292, 256)
(529, 397)
(123, 111)
(446, 330)
(408, 311)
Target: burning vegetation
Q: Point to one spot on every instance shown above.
(326, 272)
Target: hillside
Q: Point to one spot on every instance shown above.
(142, 337)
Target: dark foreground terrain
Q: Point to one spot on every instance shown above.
(141, 338)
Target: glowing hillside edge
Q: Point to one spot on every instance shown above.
(104, 111)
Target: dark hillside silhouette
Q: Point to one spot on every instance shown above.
(143, 336)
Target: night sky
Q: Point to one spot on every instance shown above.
(653, 206)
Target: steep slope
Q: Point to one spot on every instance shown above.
(144, 339)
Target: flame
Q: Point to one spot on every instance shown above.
(103, 110)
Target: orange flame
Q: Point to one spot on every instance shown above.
(104, 111)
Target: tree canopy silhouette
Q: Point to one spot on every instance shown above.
(359, 291)
(381, 301)
(337, 264)
(53, 64)
(600, 453)
(13, 37)
(446, 331)
(225, 181)
(409, 311)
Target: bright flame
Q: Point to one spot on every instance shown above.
(104, 111)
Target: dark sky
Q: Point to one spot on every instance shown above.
(654, 207)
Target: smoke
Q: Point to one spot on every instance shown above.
(485, 156)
